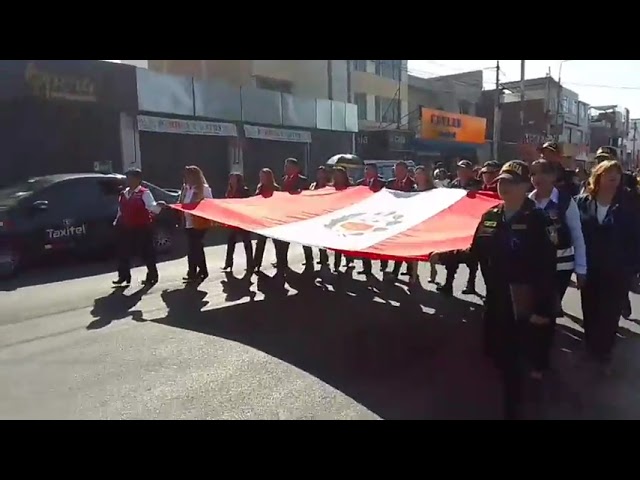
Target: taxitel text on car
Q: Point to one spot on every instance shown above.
(67, 231)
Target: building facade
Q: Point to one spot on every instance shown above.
(65, 116)
(632, 144)
(442, 113)
(551, 111)
(224, 128)
(380, 90)
(609, 125)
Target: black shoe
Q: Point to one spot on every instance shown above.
(469, 290)
(364, 271)
(445, 289)
(626, 313)
(189, 277)
(203, 276)
(150, 281)
(120, 282)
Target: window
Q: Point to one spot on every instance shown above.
(583, 111)
(274, 84)
(386, 110)
(465, 107)
(361, 103)
(574, 107)
(565, 105)
(389, 69)
(360, 65)
(579, 136)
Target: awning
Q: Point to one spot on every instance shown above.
(441, 147)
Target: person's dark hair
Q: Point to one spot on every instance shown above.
(372, 166)
(240, 181)
(401, 163)
(269, 174)
(340, 173)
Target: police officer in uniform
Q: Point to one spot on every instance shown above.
(571, 251)
(515, 245)
(134, 226)
(565, 178)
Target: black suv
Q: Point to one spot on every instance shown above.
(69, 213)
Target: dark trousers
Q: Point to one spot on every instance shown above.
(397, 266)
(452, 264)
(542, 336)
(232, 238)
(308, 257)
(196, 259)
(337, 260)
(366, 265)
(136, 242)
(281, 253)
(506, 343)
(603, 299)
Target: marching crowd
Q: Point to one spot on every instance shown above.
(552, 223)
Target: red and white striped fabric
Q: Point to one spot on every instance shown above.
(385, 225)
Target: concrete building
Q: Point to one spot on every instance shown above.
(609, 125)
(378, 87)
(325, 79)
(380, 90)
(632, 143)
(550, 111)
(452, 100)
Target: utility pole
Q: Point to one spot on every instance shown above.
(399, 112)
(496, 114)
(522, 99)
(559, 101)
(548, 104)
(330, 79)
(633, 148)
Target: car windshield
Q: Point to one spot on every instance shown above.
(9, 196)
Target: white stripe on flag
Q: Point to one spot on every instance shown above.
(375, 219)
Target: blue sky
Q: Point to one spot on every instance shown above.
(598, 82)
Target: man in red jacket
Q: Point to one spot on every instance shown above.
(135, 234)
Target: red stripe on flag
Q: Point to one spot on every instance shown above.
(258, 213)
(451, 229)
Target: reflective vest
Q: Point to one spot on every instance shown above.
(558, 212)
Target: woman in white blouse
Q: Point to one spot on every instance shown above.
(194, 190)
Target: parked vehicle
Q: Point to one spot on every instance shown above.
(69, 213)
(385, 167)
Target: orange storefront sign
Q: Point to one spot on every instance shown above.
(452, 127)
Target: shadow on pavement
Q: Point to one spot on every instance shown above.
(69, 267)
(117, 306)
(390, 357)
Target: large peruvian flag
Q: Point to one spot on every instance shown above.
(384, 225)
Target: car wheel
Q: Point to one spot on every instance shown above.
(10, 261)
(163, 239)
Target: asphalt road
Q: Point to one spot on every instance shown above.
(71, 347)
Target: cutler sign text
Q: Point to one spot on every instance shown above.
(453, 127)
